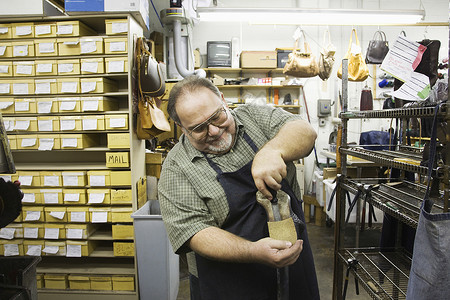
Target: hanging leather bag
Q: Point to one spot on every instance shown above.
(151, 120)
(357, 68)
(151, 76)
(301, 63)
(326, 57)
(377, 49)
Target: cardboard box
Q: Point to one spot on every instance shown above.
(45, 47)
(117, 159)
(27, 142)
(33, 231)
(123, 282)
(99, 178)
(46, 105)
(23, 49)
(69, 67)
(48, 123)
(92, 65)
(5, 87)
(68, 85)
(46, 67)
(25, 106)
(114, 122)
(79, 282)
(70, 123)
(54, 231)
(153, 170)
(31, 196)
(56, 281)
(122, 232)
(138, 8)
(78, 141)
(51, 178)
(117, 45)
(45, 29)
(93, 122)
(23, 124)
(33, 214)
(100, 214)
(98, 104)
(54, 248)
(121, 214)
(7, 105)
(51, 196)
(23, 87)
(69, 104)
(91, 45)
(115, 26)
(33, 247)
(45, 86)
(29, 178)
(74, 197)
(118, 140)
(48, 142)
(6, 69)
(6, 49)
(14, 230)
(120, 178)
(116, 64)
(98, 85)
(258, 59)
(19, 218)
(11, 247)
(22, 30)
(154, 158)
(12, 142)
(78, 214)
(79, 231)
(23, 68)
(123, 248)
(68, 46)
(6, 31)
(40, 281)
(57, 214)
(74, 179)
(99, 196)
(103, 283)
(121, 196)
(73, 28)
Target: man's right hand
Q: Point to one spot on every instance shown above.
(276, 253)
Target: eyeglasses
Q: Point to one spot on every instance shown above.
(217, 119)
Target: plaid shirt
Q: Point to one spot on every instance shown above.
(191, 198)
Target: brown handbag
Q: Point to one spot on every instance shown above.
(151, 120)
(301, 63)
(357, 68)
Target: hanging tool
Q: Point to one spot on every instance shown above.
(309, 120)
(351, 264)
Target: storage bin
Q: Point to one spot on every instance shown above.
(22, 87)
(101, 282)
(22, 30)
(122, 232)
(33, 230)
(52, 196)
(114, 122)
(47, 142)
(25, 106)
(79, 231)
(121, 214)
(54, 231)
(121, 196)
(45, 29)
(50, 178)
(259, 59)
(68, 46)
(45, 86)
(123, 248)
(55, 281)
(92, 66)
(116, 64)
(46, 105)
(23, 68)
(118, 140)
(117, 159)
(116, 26)
(96, 122)
(12, 142)
(48, 123)
(45, 47)
(29, 178)
(6, 69)
(77, 141)
(73, 28)
(23, 49)
(12, 231)
(79, 282)
(74, 196)
(46, 67)
(79, 248)
(5, 87)
(91, 45)
(79, 214)
(70, 123)
(68, 85)
(123, 282)
(55, 214)
(69, 104)
(120, 178)
(100, 214)
(97, 85)
(31, 196)
(6, 49)
(33, 247)
(5, 31)
(118, 45)
(33, 213)
(7, 105)
(27, 142)
(69, 67)
(77, 178)
(99, 178)
(54, 248)
(99, 196)
(11, 247)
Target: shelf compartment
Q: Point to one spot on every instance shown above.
(422, 112)
(384, 274)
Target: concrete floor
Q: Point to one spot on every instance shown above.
(322, 244)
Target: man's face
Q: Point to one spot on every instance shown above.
(206, 121)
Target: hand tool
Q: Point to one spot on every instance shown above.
(351, 264)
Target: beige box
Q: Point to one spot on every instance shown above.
(25, 124)
(103, 283)
(50, 178)
(45, 67)
(120, 178)
(258, 59)
(40, 281)
(22, 87)
(54, 231)
(68, 46)
(99, 178)
(117, 159)
(23, 68)
(19, 218)
(78, 141)
(6, 69)
(48, 123)
(45, 86)
(7, 105)
(33, 213)
(69, 104)
(68, 85)
(33, 230)
(14, 231)
(55, 214)
(92, 65)
(114, 122)
(75, 248)
(116, 45)
(100, 214)
(91, 45)
(121, 214)
(123, 282)
(29, 178)
(69, 67)
(27, 142)
(9, 123)
(46, 105)
(52, 196)
(23, 49)
(54, 248)
(47, 142)
(22, 30)
(74, 197)
(74, 178)
(5, 87)
(122, 232)
(45, 29)
(93, 122)
(79, 231)
(116, 26)
(78, 214)
(99, 196)
(11, 247)
(123, 248)
(10, 177)
(70, 123)
(25, 106)
(97, 85)
(154, 158)
(73, 28)
(98, 104)
(118, 140)
(45, 47)
(121, 196)
(12, 142)
(33, 247)
(31, 196)
(79, 282)
(6, 49)
(5, 31)
(56, 281)
(116, 64)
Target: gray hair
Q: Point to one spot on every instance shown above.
(185, 87)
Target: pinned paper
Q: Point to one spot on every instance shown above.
(11, 249)
(4, 88)
(415, 89)
(58, 214)
(51, 198)
(51, 233)
(67, 124)
(7, 233)
(34, 250)
(31, 232)
(23, 30)
(20, 88)
(91, 67)
(44, 107)
(88, 86)
(46, 144)
(4, 69)
(3, 30)
(65, 29)
(117, 122)
(71, 197)
(74, 233)
(28, 142)
(28, 197)
(50, 180)
(97, 180)
(69, 87)
(42, 29)
(44, 68)
(99, 217)
(65, 68)
(2, 50)
(32, 215)
(73, 251)
(6, 104)
(6, 177)
(117, 46)
(45, 125)
(24, 69)
(96, 198)
(67, 105)
(78, 216)
(88, 47)
(47, 48)
(25, 179)
(119, 27)
(22, 106)
(42, 88)
(22, 125)
(90, 105)
(20, 50)
(50, 249)
(69, 143)
(70, 180)
(90, 124)
(116, 66)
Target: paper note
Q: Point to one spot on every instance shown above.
(99, 217)
(70, 180)
(88, 47)
(22, 125)
(28, 197)
(11, 249)
(2, 50)
(4, 69)
(42, 29)
(71, 197)
(7, 233)
(22, 106)
(116, 66)
(25, 179)
(28, 142)
(73, 251)
(88, 86)
(24, 69)
(51, 233)
(69, 87)
(32, 215)
(4, 88)
(34, 250)
(69, 143)
(97, 180)
(119, 27)
(90, 105)
(3, 30)
(31, 232)
(7, 177)
(91, 67)
(50, 249)
(58, 214)
(20, 88)
(44, 107)
(20, 50)
(65, 68)
(64, 29)
(47, 48)
(90, 124)
(23, 30)
(415, 89)
(50, 180)
(96, 198)
(71, 43)
(67, 124)
(5, 104)
(117, 122)
(42, 88)
(45, 125)
(67, 105)
(117, 46)
(46, 144)
(51, 198)
(78, 216)
(74, 233)
(9, 125)
(44, 68)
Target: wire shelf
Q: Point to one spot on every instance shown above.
(422, 112)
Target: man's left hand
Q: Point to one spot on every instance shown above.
(268, 169)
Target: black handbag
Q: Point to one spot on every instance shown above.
(377, 49)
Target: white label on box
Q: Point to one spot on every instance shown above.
(22, 125)
(2, 50)
(89, 67)
(45, 125)
(34, 250)
(116, 122)
(69, 87)
(58, 214)
(11, 249)
(96, 197)
(67, 105)
(20, 50)
(88, 46)
(90, 124)
(42, 29)
(9, 125)
(88, 86)
(51, 198)
(97, 180)
(44, 107)
(32, 215)
(51, 249)
(90, 105)
(70, 180)
(99, 217)
(67, 124)
(44, 68)
(65, 29)
(51, 180)
(71, 43)
(4, 69)
(65, 68)
(74, 233)
(3, 30)
(30, 232)
(46, 48)
(7, 178)
(117, 46)
(28, 142)
(73, 251)
(20, 88)
(46, 144)
(24, 69)
(23, 30)
(22, 106)
(42, 88)
(78, 216)
(4, 88)
(119, 27)
(25, 179)
(72, 197)
(72, 143)
(51, 233)
(7, 233)
(116, 66)
(28, 197)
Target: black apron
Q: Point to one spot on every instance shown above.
(247, 219)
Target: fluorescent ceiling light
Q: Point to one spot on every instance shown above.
(297, 16)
